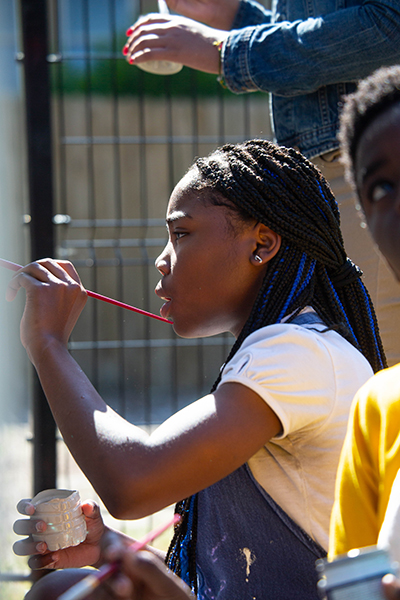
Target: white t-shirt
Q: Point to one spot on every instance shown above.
(308, 378)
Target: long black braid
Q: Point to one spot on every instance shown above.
(280, 188)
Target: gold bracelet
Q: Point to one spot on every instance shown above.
(220, 77)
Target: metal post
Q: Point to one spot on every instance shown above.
(38, 127)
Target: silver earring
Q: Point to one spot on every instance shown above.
(258, 258)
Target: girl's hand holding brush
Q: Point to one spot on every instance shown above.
(143, 576)
(55, 298)
(85, 587)
(67, 294)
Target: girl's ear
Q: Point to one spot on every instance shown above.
(268, 243)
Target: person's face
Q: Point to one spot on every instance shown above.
(377, 174)
(209, 277)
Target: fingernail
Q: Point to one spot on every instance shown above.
(29, 509)
(54, 561)
(129, 31)
(41, 547)
(125, 50)
(131, 61)
(40, 526)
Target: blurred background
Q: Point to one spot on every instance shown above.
(90, 150)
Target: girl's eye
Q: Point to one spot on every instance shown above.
(179, 234)
(379, 190)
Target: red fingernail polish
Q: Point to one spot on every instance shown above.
(125, 50)
(129, 31)
(131, 61)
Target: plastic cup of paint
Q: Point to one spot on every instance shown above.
(161, 67)
(61, 510)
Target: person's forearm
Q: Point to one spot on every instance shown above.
(137, 474)
(93, 432)
(290, 58)
(218, 14)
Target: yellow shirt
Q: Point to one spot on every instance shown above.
(368, 464)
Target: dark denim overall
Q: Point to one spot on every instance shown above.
(248, 548)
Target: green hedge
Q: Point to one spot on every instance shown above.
(116, 76)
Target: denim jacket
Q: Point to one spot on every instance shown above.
(308, 54)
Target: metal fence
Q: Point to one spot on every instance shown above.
(106, 144)
(122, 138)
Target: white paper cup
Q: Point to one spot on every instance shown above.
(61, 509)
(160, 67)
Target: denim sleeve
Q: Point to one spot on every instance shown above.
(292, 58)
(251, 13)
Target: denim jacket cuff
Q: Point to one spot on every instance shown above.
(235, 61)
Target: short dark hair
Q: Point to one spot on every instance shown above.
(374, 95)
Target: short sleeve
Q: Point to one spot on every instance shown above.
(290, 368)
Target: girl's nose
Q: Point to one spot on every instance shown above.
(162, 262)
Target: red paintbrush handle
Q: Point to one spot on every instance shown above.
(9, 265)
(84, 587)
(14, 267)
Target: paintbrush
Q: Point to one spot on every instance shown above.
(84, 587)
(14, 267)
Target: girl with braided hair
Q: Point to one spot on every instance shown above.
(255, 249)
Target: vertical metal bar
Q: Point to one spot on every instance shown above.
(60, 113)
(38, 124)
(144, 213)
(221, 117)
(91, 179)
(118, 198)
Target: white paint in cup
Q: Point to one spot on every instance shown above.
(61, 510)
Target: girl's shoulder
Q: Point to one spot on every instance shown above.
(301, 349)
(297, 333)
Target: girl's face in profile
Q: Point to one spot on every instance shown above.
(377, 173)
(209, 281)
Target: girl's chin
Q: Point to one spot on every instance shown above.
(185, 332)
(191, 331)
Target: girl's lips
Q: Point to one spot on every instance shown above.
(165, 309)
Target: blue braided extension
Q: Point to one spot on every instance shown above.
(342, 309)
(261, 311)
(371, 320)
(323, 195)
(184, 547)
(307, 278)
(273, 175)
(294, 286)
